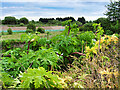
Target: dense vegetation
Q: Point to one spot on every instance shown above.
(89, 59)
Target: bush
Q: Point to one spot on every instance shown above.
(29, 31)
(9, 30)
(117, 35)
(41, 30)
(10, 44)
(115, 27)
(31, 26)
(87, 27)
(2, 32)
(105, 23)
(81, 28)
(21, 24)
(109, 32)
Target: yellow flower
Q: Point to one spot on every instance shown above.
(93, 49)
(102, 40)
(97, 42)
(87, 49)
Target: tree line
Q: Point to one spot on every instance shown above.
(13, 21)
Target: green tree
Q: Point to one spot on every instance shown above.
(105, 23)
(41, 30)
(24, 20)
(87, 27)
(115, 27)
(113, 10)
(31, 26)
(82, 20)
(10, 20)
(9, 30)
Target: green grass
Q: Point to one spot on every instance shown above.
(36, 24)
(17, 35)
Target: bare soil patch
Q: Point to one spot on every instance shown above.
(24, 28)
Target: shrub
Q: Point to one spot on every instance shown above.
(115, 28)
(9, 44)
(81, 28)
(117, 35)
(109, 32)
(88, 27)
(21, 24)
(41, 30)
(31, 26)
(9, 30)
(29, 31)
(104, 63)
(2, 32)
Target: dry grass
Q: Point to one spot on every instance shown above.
(13, 36)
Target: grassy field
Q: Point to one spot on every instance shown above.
(18, 35)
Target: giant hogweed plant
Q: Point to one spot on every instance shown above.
(74, 43)
(34, 42)
(46, 58)
(39, 78)
(69, 28)
(33, 78)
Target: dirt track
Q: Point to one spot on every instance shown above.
(24, 28)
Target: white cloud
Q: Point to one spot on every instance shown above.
(11, 7)
(88, 18)
(74, 8)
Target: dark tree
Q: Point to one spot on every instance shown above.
(66, 18)
(46, 20)
(33, 21)
(24, 20)
(3, 21)
(82, 20)
(10, 20)
(59, 19)
(105, 23)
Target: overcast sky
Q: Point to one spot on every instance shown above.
(35, 9)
